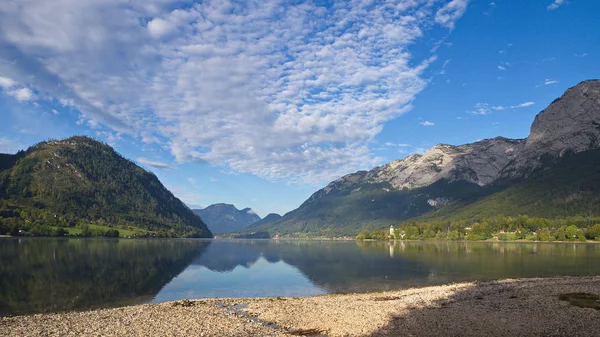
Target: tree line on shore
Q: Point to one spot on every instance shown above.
(502, 228)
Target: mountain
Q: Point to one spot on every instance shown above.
(225, 218)
(571, 124)
(271, 217)
(80, 182)
(555, 165)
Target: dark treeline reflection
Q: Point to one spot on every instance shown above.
(47, 275)
(346, 267)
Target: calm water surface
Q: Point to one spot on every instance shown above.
(46, 275)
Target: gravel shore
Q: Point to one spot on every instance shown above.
(522, 307)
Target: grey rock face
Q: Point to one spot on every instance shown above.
(570, 124)
(478, 163)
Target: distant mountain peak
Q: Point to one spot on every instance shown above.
(224, 218)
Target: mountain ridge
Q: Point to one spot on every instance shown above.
(224, 218)
(446, 174)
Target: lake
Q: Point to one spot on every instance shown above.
(48, 274)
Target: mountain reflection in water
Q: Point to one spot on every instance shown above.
(42, 275)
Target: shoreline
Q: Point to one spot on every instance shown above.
(529, 307)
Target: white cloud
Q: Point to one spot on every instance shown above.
(390, 144)
(6, 82)
(581, 55)
(427, 123)
(23, 94)
(447, 15)
(154, 164)
(481, 109)
(159, 27)
(485, 108)
(54, 111)
(501, 68)
(556, 4)
(549, 82)
(280, 91)
(213, 179)
(192, 181)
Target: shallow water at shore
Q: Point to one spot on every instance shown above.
(48, 275)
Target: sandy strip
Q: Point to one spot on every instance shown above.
(525, 307)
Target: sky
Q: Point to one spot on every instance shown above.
(261, 103)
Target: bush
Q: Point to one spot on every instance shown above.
(593, 232)
(112, 233)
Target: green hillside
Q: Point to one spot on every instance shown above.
(566, 191)
(82, 185)
(566, 187)
(347, 212)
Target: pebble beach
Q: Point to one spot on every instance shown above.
(514, 307)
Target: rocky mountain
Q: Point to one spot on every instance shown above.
(571, 124)
(79, 181)
(271, 217)
(224, 218)
(451, 177)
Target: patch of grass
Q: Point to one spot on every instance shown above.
(582, 300)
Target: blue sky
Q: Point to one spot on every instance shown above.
(261, 103)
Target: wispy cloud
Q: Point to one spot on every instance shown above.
(443, 71)
(297, 91)
(556, 4)
(6, 82)
(581, 55)
(154, 164)
(448, 14)
(547, 82)
(485, 108)
(427, 123)
(501, 68)
(18, 92)
(481, 109)
(390, 144)
(22, 94)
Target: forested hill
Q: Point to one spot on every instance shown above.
(79, 182)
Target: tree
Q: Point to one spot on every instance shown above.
(543, 234)
(593, 232)
(85, 231)
(571, 233)
(14, 230)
